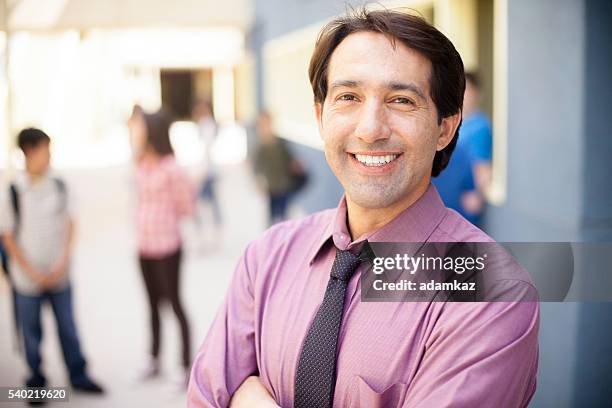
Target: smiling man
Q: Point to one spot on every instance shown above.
(293, 331)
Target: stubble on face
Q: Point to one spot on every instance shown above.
(374, 191)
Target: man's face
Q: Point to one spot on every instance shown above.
(38, 158)
(264, 127)
(378, 123)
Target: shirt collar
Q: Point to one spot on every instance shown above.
(26, 181)
(415, 224)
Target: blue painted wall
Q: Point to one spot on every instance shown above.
(559, 171)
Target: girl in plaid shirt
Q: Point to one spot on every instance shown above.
(165, 196)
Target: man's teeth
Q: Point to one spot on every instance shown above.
(375, 160)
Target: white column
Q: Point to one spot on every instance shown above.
(223, 94)
(458, 19)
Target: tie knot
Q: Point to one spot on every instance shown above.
(344, 265)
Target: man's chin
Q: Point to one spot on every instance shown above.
(370, 200)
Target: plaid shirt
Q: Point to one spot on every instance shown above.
(165, 195)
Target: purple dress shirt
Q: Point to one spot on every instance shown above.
(390, 354)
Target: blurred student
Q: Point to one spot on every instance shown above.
(464, 184)
(207, 130)
(3, 255)
(165, 196)
(3, 259)
(38, 231)
(475, 133)
(457, 188)
(475, 136)
(5, 271)
(276, 169)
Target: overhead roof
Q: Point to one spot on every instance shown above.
(86, 14)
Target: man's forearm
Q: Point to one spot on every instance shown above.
(482, 176)
(15, 252)
(69, 239)
(252, 393)
(59, 268)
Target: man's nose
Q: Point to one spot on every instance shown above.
(372, 122)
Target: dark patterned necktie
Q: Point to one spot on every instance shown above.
(315, 378)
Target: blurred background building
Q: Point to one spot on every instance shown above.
(76, 67)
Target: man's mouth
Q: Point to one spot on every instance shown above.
(375, 160)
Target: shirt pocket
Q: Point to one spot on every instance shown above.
(365, 396)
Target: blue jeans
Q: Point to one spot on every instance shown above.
(208, 193)
(28, 312)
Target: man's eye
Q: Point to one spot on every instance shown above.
(347, 97)
(403, 100)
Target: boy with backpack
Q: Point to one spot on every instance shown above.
(37, 231)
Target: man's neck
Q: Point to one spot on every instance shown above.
(35, 176)
(361, 220)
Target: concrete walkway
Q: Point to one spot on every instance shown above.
(110, 302)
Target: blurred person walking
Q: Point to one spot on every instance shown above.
(457, 187)
(475, 133)
(279, 173)
(464, 184)
(37, 224)
(165, 196)
(5, 271)
(3, 259)
(207, 130)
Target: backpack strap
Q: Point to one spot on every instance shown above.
(15, 204)
(14, 195)
(61, 189)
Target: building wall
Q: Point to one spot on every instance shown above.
(594, 348)
(597, 204)
(535, 209)
(558, 134)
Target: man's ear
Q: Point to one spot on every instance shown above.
(318, 113)
(448, 128)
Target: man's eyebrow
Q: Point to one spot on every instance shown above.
(400, 86)
(396, 86)
(344, 83)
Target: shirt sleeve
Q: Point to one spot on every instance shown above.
(481, 355)
(467, 182)
(183, 192)
(481, 147)
(463, 162)
(227, 356)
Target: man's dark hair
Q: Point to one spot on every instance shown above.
(30, 138)
(447, 80)
(158, 132)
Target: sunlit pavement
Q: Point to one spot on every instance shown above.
(110, 301)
